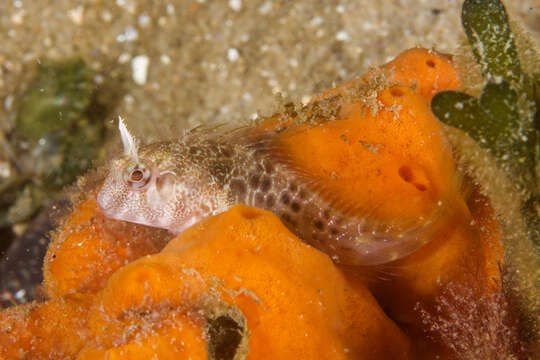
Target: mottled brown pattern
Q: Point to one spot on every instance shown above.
(212, 171)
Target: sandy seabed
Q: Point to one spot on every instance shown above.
(219, 61)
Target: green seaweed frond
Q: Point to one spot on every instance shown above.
(501, 147)
(56, 137)
(504, 118)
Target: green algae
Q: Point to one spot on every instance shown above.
(495, 138)
(488, 31)
(55, 98)
(56, 137)
(504, 119)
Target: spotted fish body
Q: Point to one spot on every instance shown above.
(202, 175)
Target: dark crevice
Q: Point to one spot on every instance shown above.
(224, 338)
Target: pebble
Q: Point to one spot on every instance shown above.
(139, 67)
(236, 5)
(265, 8)
(342, 36)
(232, 54)
(76, 15)
(124, 58)
(143, 20)
(129, 34)
(8, 102)
(18, 17)
(165, 59)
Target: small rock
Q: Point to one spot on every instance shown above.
(232, 54)
(129, 34)
(76, 15)
(139, 66)
(342, 36)
(236, 5)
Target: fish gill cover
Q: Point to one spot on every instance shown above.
(504, 123)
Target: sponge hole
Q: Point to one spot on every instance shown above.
(406, 173)
(430, 63)
(396, 92)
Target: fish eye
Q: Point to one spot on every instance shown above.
(137, 176)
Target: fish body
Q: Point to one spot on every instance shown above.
(195, 178)
(175, 184)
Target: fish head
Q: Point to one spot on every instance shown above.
(160, 185)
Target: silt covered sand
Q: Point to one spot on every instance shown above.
(183, 63)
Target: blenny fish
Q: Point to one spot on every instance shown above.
(174, 184)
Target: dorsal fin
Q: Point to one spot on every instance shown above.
(128, 140)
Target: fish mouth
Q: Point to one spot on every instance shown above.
(107, 204)
(110, 212)
(102, 203)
